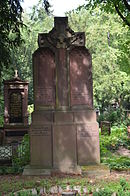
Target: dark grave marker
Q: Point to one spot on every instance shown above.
(15, 112)
(105, 128)
(16, 108)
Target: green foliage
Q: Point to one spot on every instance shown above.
(105, 38)
(117, 138)
(123, 184)
(23, 154)
(10, 23)
(109, 145)
(18, 41)
(1, 120)
(117, 163)
(30, 110)
(37, 21)
(121, 7)
(20, 158)
(103, 192)
(4, 170)
(121, 190)
(10, 35)
(115, 116)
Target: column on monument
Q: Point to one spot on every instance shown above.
(62, 78)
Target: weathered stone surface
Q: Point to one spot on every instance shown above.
(15, 101)
(88, 143)
(42, 117)
(44, 77)
(81, 77)
(35, 170)
(84, 116)
(64, 132)
(41, 146)
(15, 108)
(64, 147)
(61, 36)
(96, 170)
(62, 76)
(64, 117)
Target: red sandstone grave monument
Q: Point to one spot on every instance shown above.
(64, 132)
(15, 109)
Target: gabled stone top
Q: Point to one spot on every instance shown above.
(61, 36)
(15, 79)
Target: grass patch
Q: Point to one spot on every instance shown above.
(96, 186)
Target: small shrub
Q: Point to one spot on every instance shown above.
(30, 110)
(103, 192)
(23, 154)
(108, 146)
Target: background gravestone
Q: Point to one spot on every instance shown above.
(15, 112)
(64, 132)
(105, 128)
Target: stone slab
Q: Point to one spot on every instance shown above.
(96, 170)
(41, 117)
(76, 169)
(36, 171)
(39, 171)
(41, 146)
(63, 117)
(81, 77)
(85, 116)
(44, 84)
(64, 147)
(88, 143)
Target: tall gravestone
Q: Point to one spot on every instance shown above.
(64, 132)
(15, 109)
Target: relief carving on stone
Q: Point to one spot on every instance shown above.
(61, 39)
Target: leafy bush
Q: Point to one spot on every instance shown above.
(116, 117)
(109, 145)
(30, 110)
(23, 154)
(4, 170)
(121, 190)
(1, 120)
(103, 192)
(20, 159)
(118, 163)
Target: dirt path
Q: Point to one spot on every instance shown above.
(123, 151)
(114, 175)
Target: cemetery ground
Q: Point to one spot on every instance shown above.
(114, 153)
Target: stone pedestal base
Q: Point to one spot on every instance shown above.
(96, 170)
(37, 171)
(14, 132)
(89, 170)
(62, 140)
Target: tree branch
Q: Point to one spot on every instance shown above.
(126, 4)
(120, 14)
